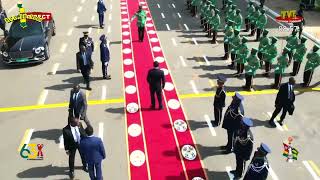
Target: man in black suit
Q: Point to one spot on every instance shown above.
(85, 64)
(284, 101)
(72, 135)
(87, 42)
(156, 82)
(78, 105)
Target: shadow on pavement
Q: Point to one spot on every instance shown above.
(219, 175)
(194, 125)
(43, 172)
(50, 134)
(115, 110)
(85, 26)
(209, 151)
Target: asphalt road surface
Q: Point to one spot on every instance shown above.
(33, 98)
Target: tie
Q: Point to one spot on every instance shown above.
(84, 59)
(290, 92)
(77, 135)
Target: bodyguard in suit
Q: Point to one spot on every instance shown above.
(85, 64)
(219, 100)
(93, 151)
(72, 135)
(78, 105)
(104, 56)
(259, 166)
(243, 146)
(232, 119)
(101, 9)
(156, 82)
(284, 101)
(87, 42)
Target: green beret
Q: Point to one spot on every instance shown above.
(265, 32)
(274, 40)
(303, 39)
(254, 51)
(244, 40)
(315, 48)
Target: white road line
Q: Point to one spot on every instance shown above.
(273, 174)
(109, 29)
(228, 169)
(179, 15)
(186, 27)
(168, 27)
(104, 92)
(92, 18)
(163, 15)
(82, 1)
(158, 5)
(110, 17)
(205, 59)
(63, 47)
(79, 9)
(43, 97)
(182, 61)
(173, 5)
(89, 30)
(174, 42)
(95, 8)
(195, 41)
(311, 171)
(207, 118)
(61, 144)
(277, 124)
(70, 32)
(110, 7)
(27, 140)
(55, 68)
(100, 135)
(75, 19)
(12, 8)
(194, 87)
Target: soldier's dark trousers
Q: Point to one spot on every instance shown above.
(259, 31)
(307, 76)
(277, 80)
(209, 31)
(267, 67)
(104, 70)
(188, 4)
(240, 67)
(193, 10)
(247, 23)
(226, 51)
(260, 58)
(85, 71)
(159, 96)
(233, 59)
(214, 36)
(201, 21)
(217, 115)
(290, 54)
(253, 29)
(296, 68)
(240, 165)
(141, 33)
(101, 19)
(230, 137)
(277, 111)
(249, 79)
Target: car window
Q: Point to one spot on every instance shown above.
(33, 28)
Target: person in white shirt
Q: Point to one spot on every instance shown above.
(72, 135)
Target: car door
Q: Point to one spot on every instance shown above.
(47, 31)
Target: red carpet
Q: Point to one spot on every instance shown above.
(163, 142)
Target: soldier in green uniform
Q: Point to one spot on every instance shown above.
(250, 11)
(298, 56)
(292, 43)
(280, 68)
(238, 20)
(228, 35)
(207, 15)
(251, 68)
(264, 42)
(254, 19)
(242, 55)
(215, 23)
(141, 15)
(202, 7)
(195, 4)
(234, 44)
(269, 55)
(210, 15)
(231, 13)
(312, 63)
(261, 23)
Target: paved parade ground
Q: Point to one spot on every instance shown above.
(34, 98)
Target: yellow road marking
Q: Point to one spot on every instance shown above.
(121, 100)
(314, 167)
(285, 127)
(23, 139)
(42, 97)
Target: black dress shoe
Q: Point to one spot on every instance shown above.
(227, 151)
(108, 77)
(160, 108)
(104, 77)
(280, 122)
(223, 147)
(71, 174)
(85, 168)
(272, 123)
(89, 88)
